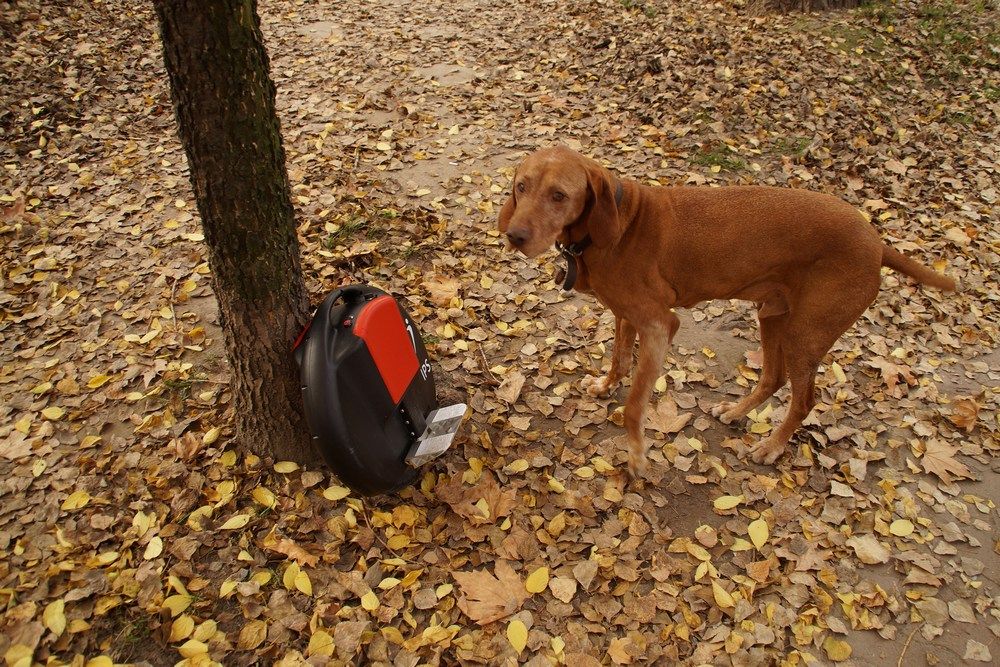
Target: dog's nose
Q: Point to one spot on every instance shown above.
(517, 238)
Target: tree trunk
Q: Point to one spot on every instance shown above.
(224, 98)
(784, 6)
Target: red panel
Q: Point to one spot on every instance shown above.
(382, 328)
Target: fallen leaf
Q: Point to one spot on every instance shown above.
(939, 459)
(252, 635)
(486, 598)
(868, 549)
(517, 634)
(537, 581)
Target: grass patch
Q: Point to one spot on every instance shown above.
(633, 5)
(794, 146)
(719, 155)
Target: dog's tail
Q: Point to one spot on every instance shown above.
(897, 261)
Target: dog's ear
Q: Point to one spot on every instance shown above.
(604, 224)
(507, 212)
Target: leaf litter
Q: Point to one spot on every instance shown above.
(130, 520)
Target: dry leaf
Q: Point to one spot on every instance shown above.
(486, 598)
(939, 459)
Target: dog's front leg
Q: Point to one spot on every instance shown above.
(621, 361)
(653, 343)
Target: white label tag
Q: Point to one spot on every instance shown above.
(442, 425)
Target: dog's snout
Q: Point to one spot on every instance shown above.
(517, 237)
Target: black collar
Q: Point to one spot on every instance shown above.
(574, 251)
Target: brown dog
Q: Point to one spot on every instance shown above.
(809, 261)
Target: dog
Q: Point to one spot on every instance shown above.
(810, 262)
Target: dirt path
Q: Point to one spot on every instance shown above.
(402, 125)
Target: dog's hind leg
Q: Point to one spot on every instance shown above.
(772, 377)
(814, 323)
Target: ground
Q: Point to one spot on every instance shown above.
(133, 528)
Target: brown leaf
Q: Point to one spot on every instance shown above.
(289, 548)
(964, 413)
(252, 635)
(486, 598)
(939, 459)
(665, 418)
(467, 501)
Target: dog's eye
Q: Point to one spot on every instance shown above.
(558, 196)
(520, 186)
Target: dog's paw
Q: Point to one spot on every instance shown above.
(596, 387)
(767, 451)
(724, 411)
(637, 466)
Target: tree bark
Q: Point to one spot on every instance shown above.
(225, 103)
(785, 6)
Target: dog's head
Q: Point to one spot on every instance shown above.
(555, 189)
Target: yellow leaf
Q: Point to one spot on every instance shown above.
(722, 596)
(19, 655)
(601, 465)
(76, 500)
(288, 578)
(398, 541)
(303, 584)
(192, 648)
(42, 388)
(100, 661)
(177, 604)
(517, 634)
(181, 628)
(336, 493)
(369, 601)
(758, 532)
(211, 436)
(724, 503)
(206, 631)
(388, 583)
(537, 580)
(89, 441)
(153, 549)
(23, 425)
(739, 544)
(252, 635)
(556, 485)
(443, 590)
(236, 522)
(54, 617)
(264, 496)
(285, 467)
(836, 649)
(98, 381)
(584, 472)
(321, 643)
(263, 577)
(53, 412)
(760, 428)
(698, 551)
(901, 528)
(661, 384)
(838, 372)
(228, 459)
(226, 588)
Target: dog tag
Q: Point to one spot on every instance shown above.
(442, 425)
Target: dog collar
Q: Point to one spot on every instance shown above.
(573, 251)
